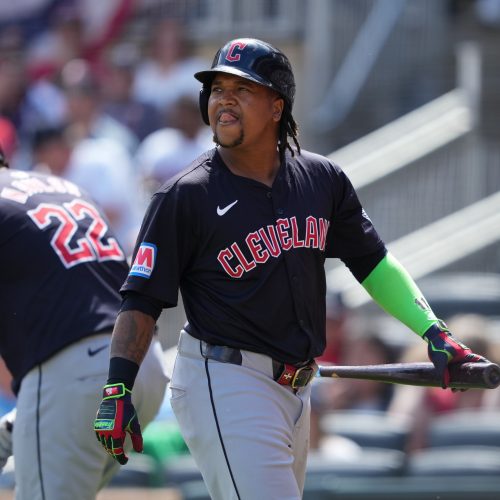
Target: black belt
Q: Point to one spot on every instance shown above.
(284, 373)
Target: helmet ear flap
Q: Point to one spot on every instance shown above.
(203, 101)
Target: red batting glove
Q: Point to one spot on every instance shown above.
(116, 416)
(443, 349)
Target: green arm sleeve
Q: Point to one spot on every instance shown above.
(394, 290)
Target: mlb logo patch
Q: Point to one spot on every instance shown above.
(144, 261)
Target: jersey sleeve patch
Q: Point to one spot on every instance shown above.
(144, 261)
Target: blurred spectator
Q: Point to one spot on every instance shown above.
(46, 99)
(85, 115)
(101, 167)
(27, 107)
(25, 18)
(169, 68)
(422, 404)
(336, 319)
(168, 150)
(12, 91)
(61, 42)
(353, 394)
(70, 34)
(141, 118)
(11, 42)
(328, 395)
(336, 331)
(21, 9)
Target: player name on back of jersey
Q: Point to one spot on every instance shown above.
(23, 185)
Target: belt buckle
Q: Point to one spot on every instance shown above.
(302, 376)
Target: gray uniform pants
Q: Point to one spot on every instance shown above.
(56, 453)
(248, 435)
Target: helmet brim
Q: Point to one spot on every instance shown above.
(207, 76)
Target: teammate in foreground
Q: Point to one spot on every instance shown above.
(244, 232)
(60, 272)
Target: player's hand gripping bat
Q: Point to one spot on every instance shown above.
(462, 376)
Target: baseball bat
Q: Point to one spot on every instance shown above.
(462, 376)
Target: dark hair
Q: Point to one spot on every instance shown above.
(288, 128)
(43, 136)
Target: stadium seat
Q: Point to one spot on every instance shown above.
(370, 462)
(405, 487)
(368, 428)
(459, 461)
(461, 428)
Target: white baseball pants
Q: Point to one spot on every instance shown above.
(56, 453)
(248, 435)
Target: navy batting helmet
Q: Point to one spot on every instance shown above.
(253, 60)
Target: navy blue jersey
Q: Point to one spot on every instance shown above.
(60, 269)
(249, 259)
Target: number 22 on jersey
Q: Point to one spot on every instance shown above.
(71, 242)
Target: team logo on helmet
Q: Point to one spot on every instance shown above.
(231, 56)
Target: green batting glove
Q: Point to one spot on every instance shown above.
(116, 416)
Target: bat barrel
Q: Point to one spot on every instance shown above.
(493, 375)
(462, 376)
(484, 375)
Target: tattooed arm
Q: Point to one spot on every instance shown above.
(132, 336)
(116, 414)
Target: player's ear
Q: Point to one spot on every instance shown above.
(278, 106)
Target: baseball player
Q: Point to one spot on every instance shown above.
(60, 273)
(243, 232)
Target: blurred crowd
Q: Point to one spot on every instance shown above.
(352, 342)
(81, 98)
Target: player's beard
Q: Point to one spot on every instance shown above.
(236, 142)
